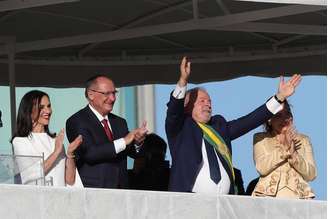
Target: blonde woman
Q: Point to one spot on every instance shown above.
(284, 159)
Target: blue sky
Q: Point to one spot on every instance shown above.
(235, 98)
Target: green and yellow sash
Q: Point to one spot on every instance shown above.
(215, 139)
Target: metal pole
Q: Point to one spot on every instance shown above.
(146, 106)
(12, 82)
(195, 9)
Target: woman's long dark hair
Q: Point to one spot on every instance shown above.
(24, 123)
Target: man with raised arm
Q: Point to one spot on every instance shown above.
(200, 144)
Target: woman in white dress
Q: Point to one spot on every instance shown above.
(33, 138)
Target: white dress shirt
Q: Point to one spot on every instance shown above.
(204, 183)
(119, 144)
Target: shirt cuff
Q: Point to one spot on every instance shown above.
(273, 105)
(179, 92)
(119, 145)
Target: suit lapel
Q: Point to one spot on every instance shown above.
(113, 125)
(225, 165)
(95, 123)
(197, 137)
(198, 134)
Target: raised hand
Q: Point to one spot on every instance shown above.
(184, 72)
(287, 89)
(73, 145)
(59, 142)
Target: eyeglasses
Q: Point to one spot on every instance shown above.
(106, 94)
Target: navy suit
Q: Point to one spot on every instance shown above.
(185, 141)
(97, 162)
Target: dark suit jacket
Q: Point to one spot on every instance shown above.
(152, 177)
(239, 181)
(97, 162)
(185, 141)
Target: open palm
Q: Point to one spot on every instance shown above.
(185, 69)
(287, 89)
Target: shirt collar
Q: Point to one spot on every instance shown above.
(98, 115)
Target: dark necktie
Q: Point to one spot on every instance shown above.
(213, 164)
(107, 129)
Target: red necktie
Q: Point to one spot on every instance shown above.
(107, 129)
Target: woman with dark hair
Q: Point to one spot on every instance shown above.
(33, 138)
(284, 159)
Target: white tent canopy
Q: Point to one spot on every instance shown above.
(63, 43)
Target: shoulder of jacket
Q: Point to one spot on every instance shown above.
(113, 116)
(218, 118)
(304, 138)
(78, 113)
(260, 136)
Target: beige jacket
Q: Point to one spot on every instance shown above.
(277, 172)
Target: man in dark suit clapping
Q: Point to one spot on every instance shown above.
(102, 157)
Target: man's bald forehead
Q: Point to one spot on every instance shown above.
(94, 81)
(103, 79)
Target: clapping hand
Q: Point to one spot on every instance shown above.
(130, 137)
(73, 145)
(59, 142)
(287, 89)
(138, 135)
(291, 139)
(141, 133)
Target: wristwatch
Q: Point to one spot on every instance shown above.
(279, 101)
